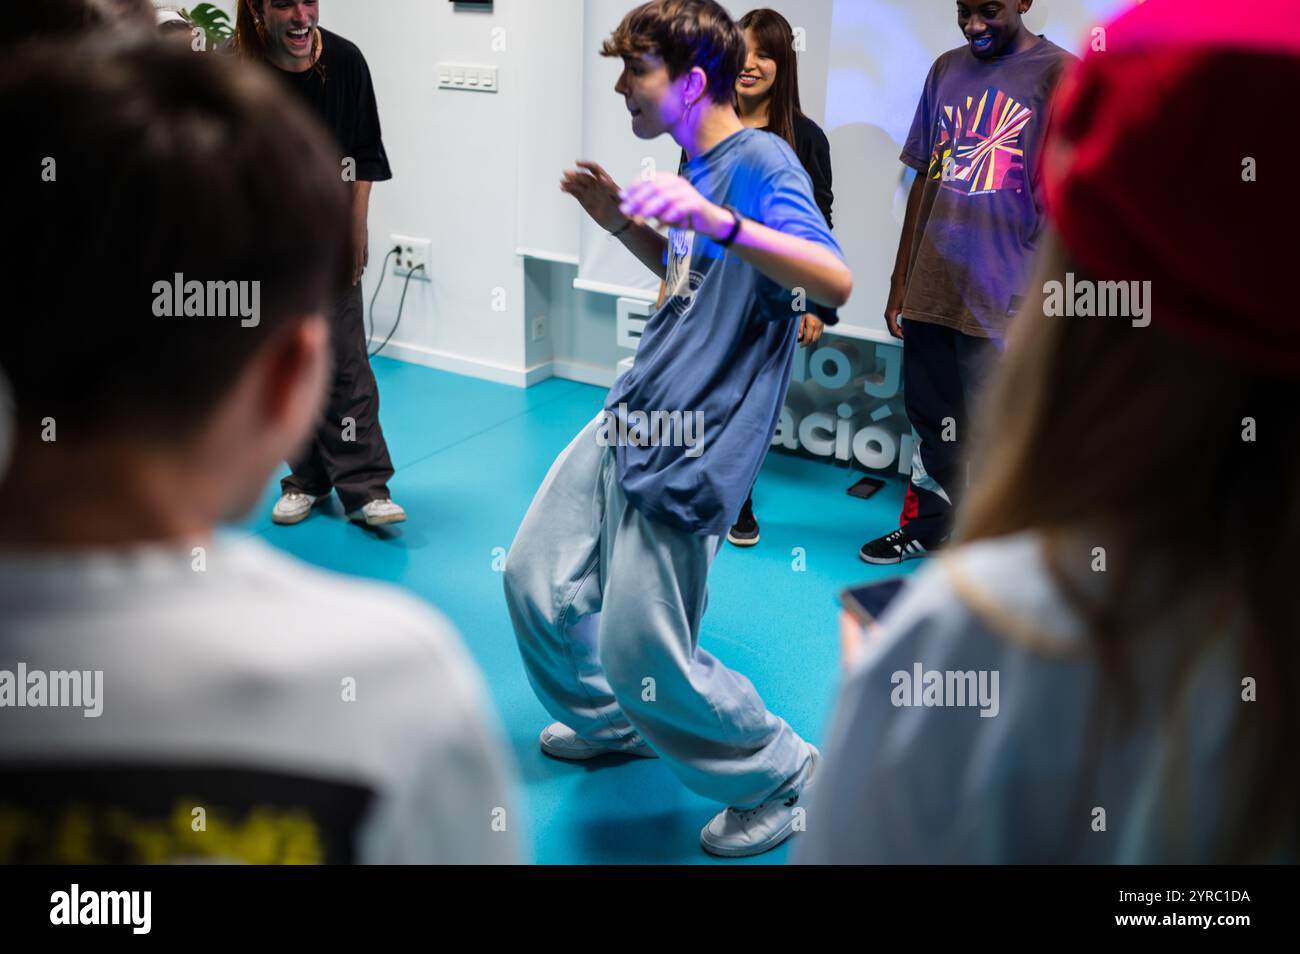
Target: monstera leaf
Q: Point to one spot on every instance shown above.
(213, 21)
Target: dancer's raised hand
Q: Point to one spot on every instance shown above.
(597, 192)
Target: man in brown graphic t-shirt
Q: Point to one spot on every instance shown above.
(966, 250)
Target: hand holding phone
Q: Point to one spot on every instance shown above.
(854, 640)
(863, 605)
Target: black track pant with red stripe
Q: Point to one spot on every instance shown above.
(943, 371)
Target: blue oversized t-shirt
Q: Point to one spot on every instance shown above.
(694, 417)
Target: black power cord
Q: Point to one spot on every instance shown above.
(400, 306)
(370, 312)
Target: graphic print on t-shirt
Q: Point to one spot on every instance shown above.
(979, 148)
(165, 813)
(683, 283)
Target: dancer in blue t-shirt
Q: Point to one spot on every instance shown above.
(606, 580)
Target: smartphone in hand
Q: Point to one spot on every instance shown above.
(863, 605)
(866, 603)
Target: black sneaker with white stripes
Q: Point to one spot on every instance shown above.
(745, 532)
(892, 548)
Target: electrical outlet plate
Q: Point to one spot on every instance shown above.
(539, 327)
(413, 253)
(466, 76)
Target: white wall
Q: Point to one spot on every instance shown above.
(550, 126)
(456, 175)
(455, 181)
(227, 5)
(465, 163)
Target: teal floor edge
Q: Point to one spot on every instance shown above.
(469, 455)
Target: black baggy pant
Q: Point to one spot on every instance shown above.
(348, 452)
(943, 370)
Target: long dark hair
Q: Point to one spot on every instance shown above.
(249, 42)
(774, 36)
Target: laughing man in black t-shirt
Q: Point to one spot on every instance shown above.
(330, 77)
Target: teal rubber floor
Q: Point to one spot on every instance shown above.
(469, 455)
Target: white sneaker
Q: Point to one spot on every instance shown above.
(379, 512)
(562, 742)
(292, 508)
(738, 833)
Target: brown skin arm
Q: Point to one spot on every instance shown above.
(360, 228)
(898, 280)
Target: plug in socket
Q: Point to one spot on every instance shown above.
(413, 253)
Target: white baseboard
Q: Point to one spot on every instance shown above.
(539, 373)
(584, 373)
(445, 361)
(501, 374)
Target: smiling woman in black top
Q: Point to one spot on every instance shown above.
(767, 94)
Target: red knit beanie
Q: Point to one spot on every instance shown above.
(1148, 162)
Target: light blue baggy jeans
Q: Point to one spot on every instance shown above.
(606, 606)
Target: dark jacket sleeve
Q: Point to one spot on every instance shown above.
(814, 152)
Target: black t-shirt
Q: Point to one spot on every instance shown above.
(339, 92)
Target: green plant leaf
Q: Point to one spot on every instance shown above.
(212, 20)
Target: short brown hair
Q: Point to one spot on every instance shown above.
(685, 34)
(162, 162)
(47, 20)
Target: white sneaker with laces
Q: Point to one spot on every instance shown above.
(559, 740)
(379, 512)
(292, 508)
(740, 832)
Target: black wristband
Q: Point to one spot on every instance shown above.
(740, 220)
(622, 228)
